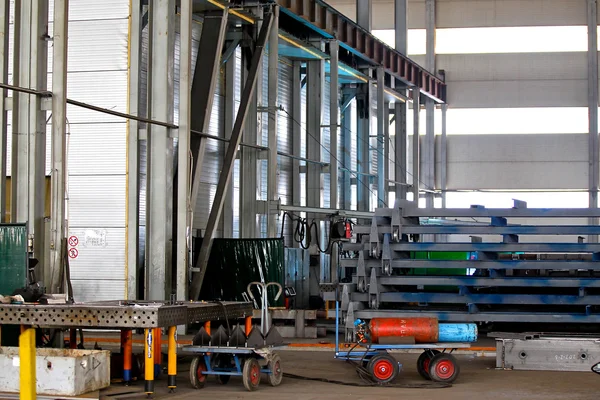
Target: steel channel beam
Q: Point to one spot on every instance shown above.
(486, 282)
(203, 88)
(273, 84)
(460, 299)
(230, 156)
(382, 142)
(334, 110)
(400, 109)
(416, 152)
(4, 35)
(478, 264)
(594, 158)
(499, 212)
(183, 208)
(428, 159)
(160, 149)
(364, 14)
(326, 211)
(347, 156)
(329, 23)
(133, 153)
(59, 143)
(29, 124)
(315, 79)
(488, 230)
(462, 316)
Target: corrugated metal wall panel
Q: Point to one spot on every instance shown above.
(97, 74)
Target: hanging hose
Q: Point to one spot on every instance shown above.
(303, 232)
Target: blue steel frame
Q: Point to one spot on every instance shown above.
(573, 279)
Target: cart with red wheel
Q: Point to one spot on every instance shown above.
(225, 362)
(374, 360)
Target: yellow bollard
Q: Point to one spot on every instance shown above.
(149, 363)
(172, 361)
(27, 363)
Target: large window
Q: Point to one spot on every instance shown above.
(534, 39)
(505, 199)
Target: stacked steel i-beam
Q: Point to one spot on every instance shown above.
(474, 265)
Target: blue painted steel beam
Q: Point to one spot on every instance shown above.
(477, 264)
(500, 247)
(479, 281)
(461, 316)
(489, 230)
(499, 212)
(454, 298)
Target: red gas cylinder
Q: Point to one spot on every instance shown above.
(424, 330)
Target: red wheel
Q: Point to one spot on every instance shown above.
(424, 362)
(444, 368)
(383, 368)
(251, 374)
(197, 378)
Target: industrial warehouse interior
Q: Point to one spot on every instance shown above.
(307, 199)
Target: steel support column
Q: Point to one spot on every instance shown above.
(594, 159)
(334, 110)
(160, 149)
(363, 147)
(272, 125)
(184, 209)
(416, 157)
(347, 156)
(203, 88)
(364, 15)
(4, 24)
(59, 142)
(249, 182)
(229, 102)
(381, 145)
(133, 153)
(296, 131)
(444, 156)
(428, 159)
(400, 109)
(29, 123)
(230, 156)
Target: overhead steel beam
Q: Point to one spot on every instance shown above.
(204, 83)
(29, 123)
(230, 157)
(184, 209)
(59, 143)
(159, 213)
(4, 34)
(330, 24)
(272, 125)
(334, 110)
(133, 153)
(594, 159)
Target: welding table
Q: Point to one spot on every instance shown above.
(124, 316)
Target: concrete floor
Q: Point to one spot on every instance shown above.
(478, 378)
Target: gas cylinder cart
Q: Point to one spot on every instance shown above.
(374, 362)
(232, 352)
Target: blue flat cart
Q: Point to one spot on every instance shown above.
(225, 362)
(436, 363)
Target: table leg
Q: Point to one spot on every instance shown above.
(157, 351)
(73, 338)
(248, 325)
(127, 350)
(149, 364)
(27, 363)
(172, 368)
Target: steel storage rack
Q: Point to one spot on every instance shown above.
(504, 275)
